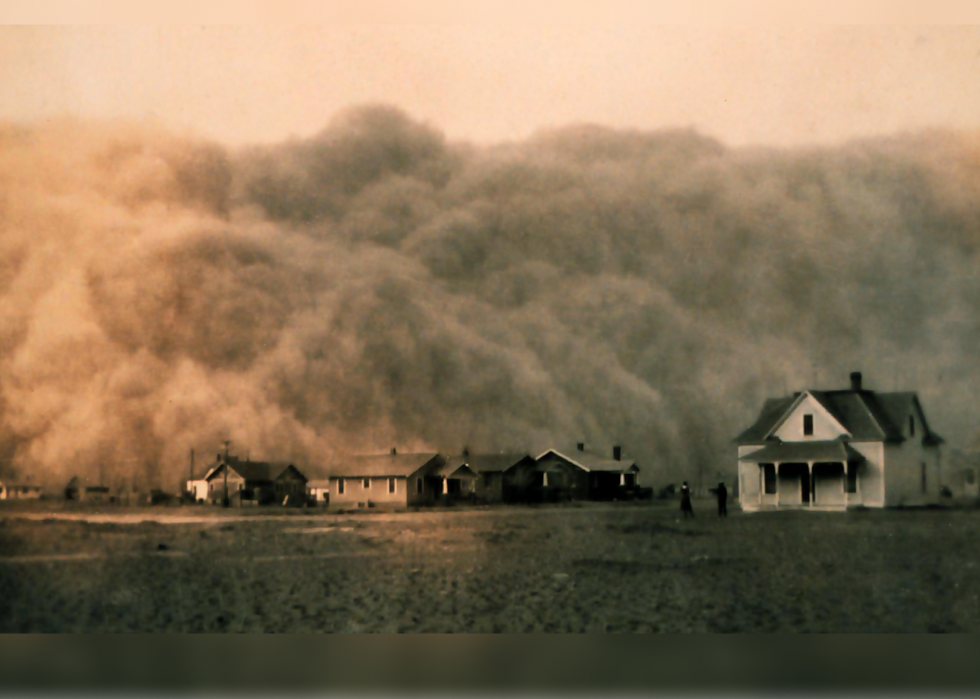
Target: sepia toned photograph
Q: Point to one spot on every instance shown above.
(489, 328)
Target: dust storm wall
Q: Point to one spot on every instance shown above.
(376, 285)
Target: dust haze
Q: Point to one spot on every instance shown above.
(379, 285)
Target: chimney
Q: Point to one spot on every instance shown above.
(393, 451)
(466, 452)
(581, 446)
(618, 453)
(856, 381)
(219, 458)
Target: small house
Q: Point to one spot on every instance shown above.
(582, 475)
(454, 480)
(490, 470)
(82, 490)
(256, 483)
(838, 449)
(15, 490)
(197, 489)
(386, 479)
(318, 492)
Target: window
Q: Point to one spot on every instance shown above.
(924, 482)
(769, 478)
(391, 485)
(851, 482)
(808, 425)
(325, 495)
(366, 483)
(419, 485)
(340, 486)
(544, 479)
(911, 425)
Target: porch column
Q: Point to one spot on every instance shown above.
(445, 485)
(809, 472)
(775, 471)
(762, 483)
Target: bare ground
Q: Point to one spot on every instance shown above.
(623, 568)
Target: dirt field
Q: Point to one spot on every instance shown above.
(628, 568)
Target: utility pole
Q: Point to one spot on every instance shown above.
(226, 502)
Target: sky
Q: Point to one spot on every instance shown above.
(786, 85)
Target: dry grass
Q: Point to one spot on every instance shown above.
(604, 569)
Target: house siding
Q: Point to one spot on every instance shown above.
(824, 425)
(903, 474)
(355, 494)
(216, 487)
(405, 495)
(490, 487)
(871, 475)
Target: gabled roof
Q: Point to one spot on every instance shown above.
(84, 482)
(866, 415)
(255, 471)
(852, 412)
(772, 411)
(488, 463)
(451, 469)
(382, 465)
(821, 399)
(588, 461)
(827, 450)
(897, 406)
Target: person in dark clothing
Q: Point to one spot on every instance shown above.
(686, 509)
(722, 493)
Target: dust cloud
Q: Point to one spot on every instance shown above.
(378, 285)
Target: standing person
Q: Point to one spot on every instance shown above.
(686, 508)
(722, 500)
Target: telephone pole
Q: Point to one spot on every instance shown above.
(226, 502)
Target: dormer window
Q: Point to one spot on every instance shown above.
(911, 425)
(808, 425)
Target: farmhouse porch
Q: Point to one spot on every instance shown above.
(812, 475)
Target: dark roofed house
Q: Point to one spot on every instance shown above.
(392, 479)
(256, 483)
(489, 472)
(576, 475)
(835, 449)
(82, 489)
(454, 480)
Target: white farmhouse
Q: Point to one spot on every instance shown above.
(836, 449)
